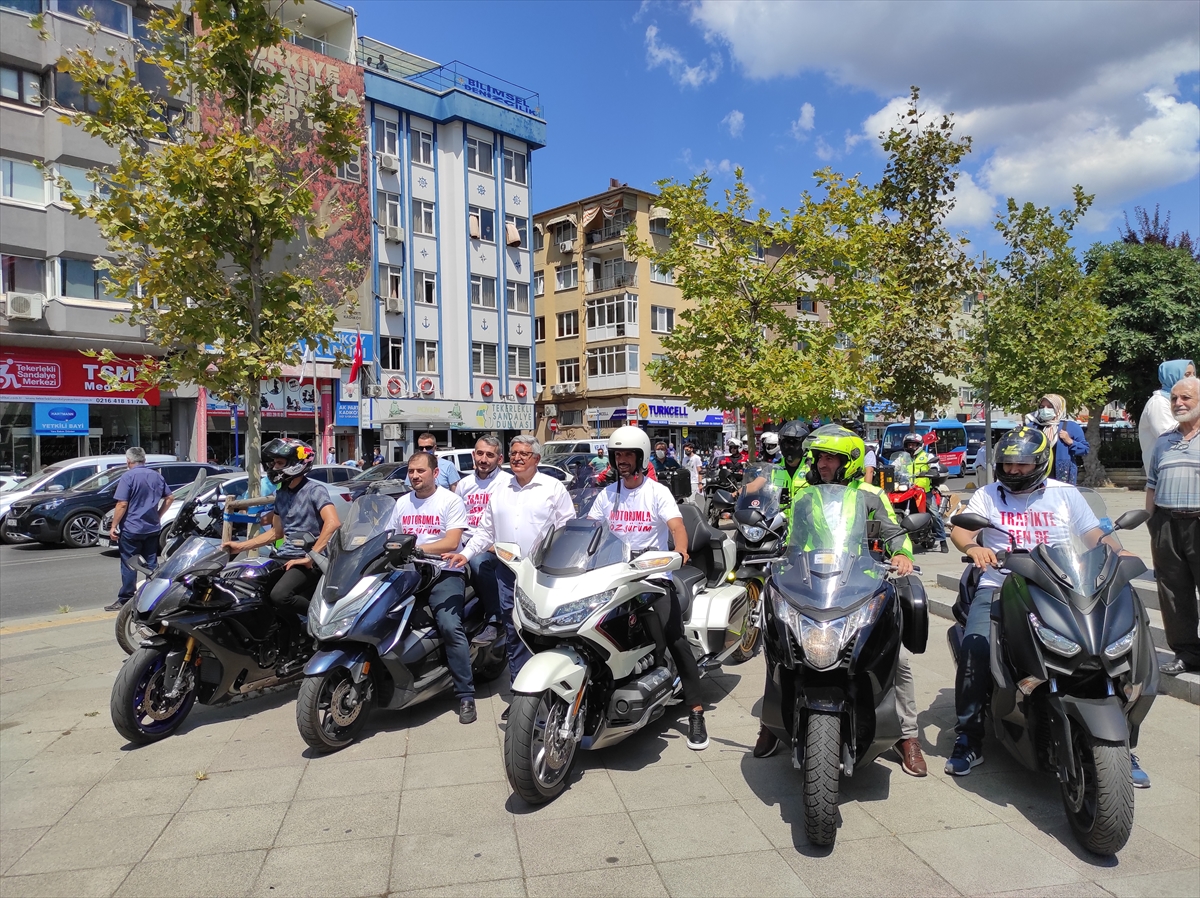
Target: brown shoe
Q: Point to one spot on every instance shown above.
(911, 758)
(767, 743)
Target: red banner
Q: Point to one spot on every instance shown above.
(41, 375)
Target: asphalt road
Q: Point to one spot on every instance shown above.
(37, 579)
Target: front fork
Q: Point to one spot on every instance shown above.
(569, 730)
(177, 663)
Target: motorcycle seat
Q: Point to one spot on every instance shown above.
(687, 583)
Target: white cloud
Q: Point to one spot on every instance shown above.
(823, 150)
(735, 122)
(973, 206)
(804, 124)
(659, 54)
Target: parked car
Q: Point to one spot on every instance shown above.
(464, 459)
(332, 473)
(211, 484)
(73, 517)
(554, 471)
(9, 482)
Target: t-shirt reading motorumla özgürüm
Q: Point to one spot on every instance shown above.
(428, 519)
(638, 516)
(1048, 515)
(477, 494)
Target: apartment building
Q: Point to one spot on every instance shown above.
(600, 319)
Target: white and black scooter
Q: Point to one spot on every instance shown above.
(583, 607)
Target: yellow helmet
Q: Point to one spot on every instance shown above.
(836, 440)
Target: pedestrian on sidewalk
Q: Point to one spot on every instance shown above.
(1173, 500)
(142, 499)
(1065, 436)
(1156, 418)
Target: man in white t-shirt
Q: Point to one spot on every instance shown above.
(692, 463)
(641, 512)
(437, 518)
(476, 490)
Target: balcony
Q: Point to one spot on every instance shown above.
(612, 282)
(614, 230)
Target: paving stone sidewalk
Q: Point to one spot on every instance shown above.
(236, 805)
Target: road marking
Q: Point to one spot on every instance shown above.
(47, 624)
(48, 560)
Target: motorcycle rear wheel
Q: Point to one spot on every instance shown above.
(140, 709)
(327, 717)
(822, 772)
(1099, 804)
(750, 638)
(537, 760)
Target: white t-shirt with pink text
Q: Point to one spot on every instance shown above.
(429, 519)
(638, 516)
(477, 494)
(1048, 515)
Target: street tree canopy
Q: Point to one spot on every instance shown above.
(210, 214)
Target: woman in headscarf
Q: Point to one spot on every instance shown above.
(1066, 436)
(1156, 418)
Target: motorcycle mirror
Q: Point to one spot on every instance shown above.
(399, 546)
(971, 521)
(915, 522)
(303, 538)
(1132, 519)
(751, 517)
(320, 561)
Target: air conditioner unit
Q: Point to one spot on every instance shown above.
(25, 306)
(375, 391)
(551, 409)
(567, 246)
(569, 389)
(392, 431)
(389, 162)
(393, 234)
(556, 390)
(393, 304)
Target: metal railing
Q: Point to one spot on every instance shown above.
(320, 46)
(610, 231)
(613, 281)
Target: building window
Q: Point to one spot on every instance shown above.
(539, 283)
(482, 224)
(387, 137)
(757, 251)
(422, 147)
(78, 179)
(705, 238)
(426, 287)
(660, 226)
(568, 371)
(518, 228)
(479, 155)
(19, 274)
(519, 360)
(78, 279)
(658, 357)
(661, 275)
(22, 181)
(515, 168)
(483, 359)
(21, 86)
(539, 329)
(518, 297)
(564, 231)
(806, 304)
(68, 95)
(422, 213)
(566, 277)
(612, 316)
(483, 292)
(426, 355)
(843, 341)
(539, 239)
(609, 360)
(391, 353)
(108, 13)
(539, 375)
(968, 305)
(389, 208)
(391, 280)
(662, 319)
(962, 333)
(568, 324)
(351, 170)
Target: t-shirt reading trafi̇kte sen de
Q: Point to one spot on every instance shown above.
(477, 494)
(429, 519)
(639, 516)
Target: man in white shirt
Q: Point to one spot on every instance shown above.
(640, 512)
(692, 463)
(522, 510)
(437, 518)
(476, 491)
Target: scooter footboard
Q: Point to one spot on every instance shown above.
(561, 670)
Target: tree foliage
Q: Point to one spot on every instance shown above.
(210, 216)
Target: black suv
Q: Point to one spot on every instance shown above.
(73, 517)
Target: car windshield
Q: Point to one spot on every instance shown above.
(759, 493)
(579, 546)
(99, 481)
(40, 479)
(358, 542)
(893, 437)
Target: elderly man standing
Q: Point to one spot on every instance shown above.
(142, 497)
(522, 510)
(1173, 499)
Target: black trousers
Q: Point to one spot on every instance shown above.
(669, 635)
(295, 589)
(1175, 547)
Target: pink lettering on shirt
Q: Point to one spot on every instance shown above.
(622, 520)
(422, 524)
(476, 503)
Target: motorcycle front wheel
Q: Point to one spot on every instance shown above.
(537, 759)
(1099, 802)
(822, 772)
(330, 712)
(141, 709)
(749, 644)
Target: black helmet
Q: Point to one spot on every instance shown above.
(917, 441)
(1024, 445)
(791, 439)
(297, 454)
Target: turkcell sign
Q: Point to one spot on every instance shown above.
(60, 419)
(485, 90)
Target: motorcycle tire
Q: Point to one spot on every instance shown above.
(1100, 805)
(822, 772)
(538, 772)
(753, 635)
(129, 632)
(324, 719)
(140, 711)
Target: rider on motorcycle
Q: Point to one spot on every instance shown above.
(922, 463)
(640, 512)
(790, 470)
(1032, 509)
(835, 455)
(770, 447)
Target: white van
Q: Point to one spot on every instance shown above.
(570, 447)
(60, 477)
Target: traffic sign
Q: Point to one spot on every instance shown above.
(552, 425)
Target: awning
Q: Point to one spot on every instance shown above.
(562, 219)
(537, 227)
(659, 212)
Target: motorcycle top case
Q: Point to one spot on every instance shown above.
(678, 481)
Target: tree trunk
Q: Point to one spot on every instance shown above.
(750, 442)
(254, 438)
(1094, 474)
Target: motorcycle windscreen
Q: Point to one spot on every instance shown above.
(1096, 503)
(358, 542)
(1074, 564)
(583, 499)
(196, 551)
(828, 564)
(579, 546)
(759, 495)
(902, 464)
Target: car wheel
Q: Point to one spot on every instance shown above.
(82, 530)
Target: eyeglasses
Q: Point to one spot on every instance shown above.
(428, 448)
(516, 455)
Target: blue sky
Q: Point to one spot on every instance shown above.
(1101, 93)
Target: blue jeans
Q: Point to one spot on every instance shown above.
(447, 597)
(483, 578)
(130, 545)
(973, 679)
(937, 526)
(518, 654)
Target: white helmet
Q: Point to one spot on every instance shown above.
(734, 442)
(629, 437)
(770, 442)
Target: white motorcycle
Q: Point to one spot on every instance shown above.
(584, 607)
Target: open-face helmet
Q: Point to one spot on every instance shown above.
(630, 437)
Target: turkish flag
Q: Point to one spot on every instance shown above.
(356, 365)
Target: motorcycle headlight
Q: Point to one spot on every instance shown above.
(48, 506)
(754, 534)
(1122, 645)
(1053, 640)
(343, 614)
(575, 613)
(823, 641)
(526, 608)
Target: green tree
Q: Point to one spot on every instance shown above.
(740, 344)
(210, 216)
(931, 271)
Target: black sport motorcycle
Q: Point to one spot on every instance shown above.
(834, 624)
(719, 491)
(1074, 670)
(761, 525)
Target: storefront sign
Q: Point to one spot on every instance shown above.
(281, 397)
(37, 375)
(461, 415)
(483, 89)
(60, 419)
(661, 413)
